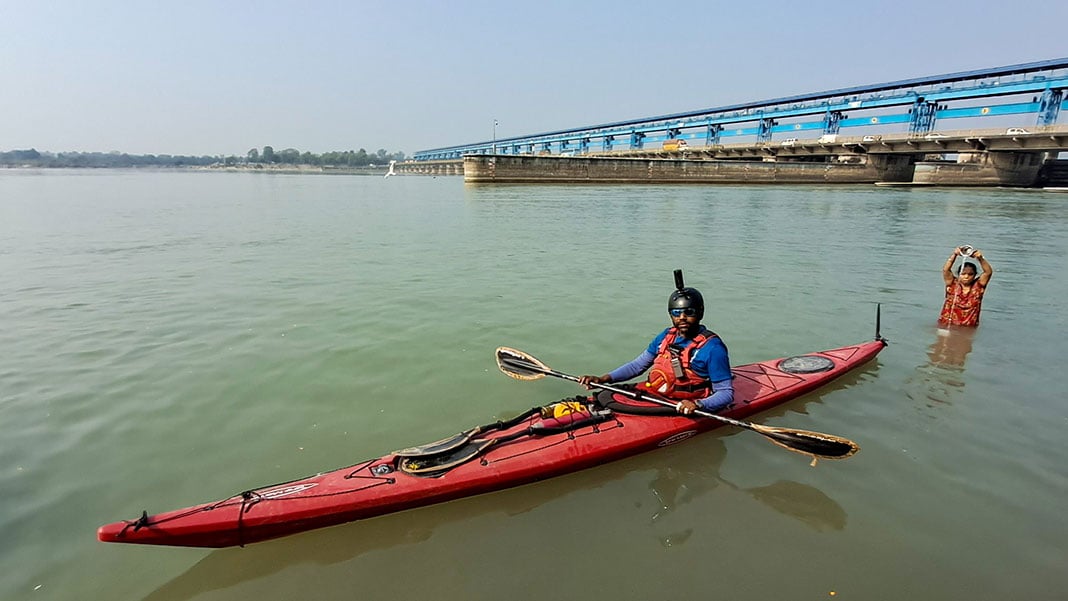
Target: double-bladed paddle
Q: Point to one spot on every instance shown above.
(522, 366)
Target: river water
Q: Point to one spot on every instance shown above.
(176, 337)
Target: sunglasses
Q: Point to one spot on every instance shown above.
(688, 312)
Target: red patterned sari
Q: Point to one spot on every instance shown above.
(960, 308)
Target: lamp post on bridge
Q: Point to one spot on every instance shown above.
(494, 150)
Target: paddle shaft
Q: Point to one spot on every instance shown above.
(644, 397)
(520, 365)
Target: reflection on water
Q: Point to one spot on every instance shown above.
(941, 380)
(690, 476)
(804, 503)
(951, 347)
(678, 484)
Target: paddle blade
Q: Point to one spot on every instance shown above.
(519, 365)
(814, 444)
(441, 446)
(435, 464)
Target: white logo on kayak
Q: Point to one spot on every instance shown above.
(285, 491)
(681, 436)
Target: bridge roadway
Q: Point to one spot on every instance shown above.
(1052, 138)
(980, 157)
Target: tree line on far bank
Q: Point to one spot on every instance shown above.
(289, 156)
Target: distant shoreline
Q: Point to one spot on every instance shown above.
(274, 168)
(251, 168)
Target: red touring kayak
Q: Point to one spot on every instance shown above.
(534, 446)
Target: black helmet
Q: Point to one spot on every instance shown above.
(684, 297)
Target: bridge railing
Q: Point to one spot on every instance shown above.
(1034, 89)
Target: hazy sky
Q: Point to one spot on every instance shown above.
(194, 77)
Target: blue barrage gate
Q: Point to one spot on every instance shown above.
(1032, 94)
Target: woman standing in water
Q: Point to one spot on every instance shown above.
(964, 293)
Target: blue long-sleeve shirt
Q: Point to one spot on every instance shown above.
(710, 361)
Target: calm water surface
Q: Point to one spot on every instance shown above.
(172, 338)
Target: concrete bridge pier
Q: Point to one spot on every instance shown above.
(449, 167)
(893, 167)
(989, 168)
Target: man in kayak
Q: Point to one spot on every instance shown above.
(689, 362)
(964, 293)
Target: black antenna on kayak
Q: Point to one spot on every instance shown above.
(878, 322)
(679, 284)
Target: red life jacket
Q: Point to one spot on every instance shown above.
(671, 375)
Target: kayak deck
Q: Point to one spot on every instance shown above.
(515, 454)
